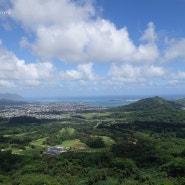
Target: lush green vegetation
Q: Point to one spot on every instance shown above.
(139, 144)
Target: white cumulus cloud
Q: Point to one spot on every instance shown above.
(7, 84)
(74, 32)
(12, 68)
(83, 72)
(130, 73)
(149, 33)
(175, 50)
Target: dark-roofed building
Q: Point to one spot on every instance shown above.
(56, 150)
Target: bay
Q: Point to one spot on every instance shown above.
(107, 101)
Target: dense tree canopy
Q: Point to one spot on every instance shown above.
(117, 147)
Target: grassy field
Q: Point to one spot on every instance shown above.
(69, 130)
(39, 142)
(18, 135)
(15, 150)
(37, 145)
(75, 143)
(108, 141)
(91, 115)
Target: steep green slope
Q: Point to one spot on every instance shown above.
(155, 109)
(151, 104)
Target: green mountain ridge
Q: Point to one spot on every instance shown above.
(151, 110)
(151, 104)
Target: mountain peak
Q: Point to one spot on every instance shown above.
(8, 96)
(150, 104)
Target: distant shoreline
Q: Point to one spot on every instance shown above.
(108, 101)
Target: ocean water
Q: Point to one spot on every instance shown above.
(107, 101)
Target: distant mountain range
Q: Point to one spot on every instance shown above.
(11, 99)
(8, 96)
(4, 102)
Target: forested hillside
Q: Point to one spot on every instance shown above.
(138, 144)
(154, 109)
(152, 104)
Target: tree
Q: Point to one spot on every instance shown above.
(96, 142)
(175, 168)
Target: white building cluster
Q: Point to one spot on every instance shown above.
(45, 111)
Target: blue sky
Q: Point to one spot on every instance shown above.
(92, 47)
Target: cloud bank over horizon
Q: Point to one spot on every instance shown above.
(99, 56)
